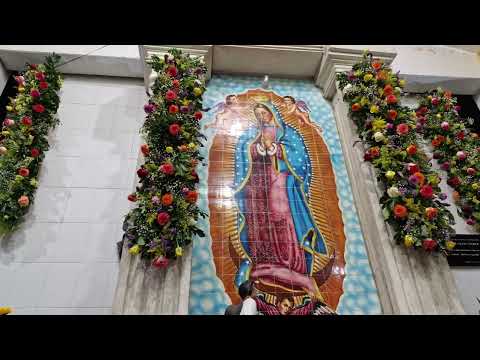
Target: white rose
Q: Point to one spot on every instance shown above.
(171, 57)
(348, 87)
(192, 221)
(393, 192)
(378, 136)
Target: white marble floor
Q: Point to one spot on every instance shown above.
(63, 259)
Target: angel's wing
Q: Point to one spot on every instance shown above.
(217, 107)
(302, 106)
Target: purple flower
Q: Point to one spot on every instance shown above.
(413, 180)
(471, 221)
(445, 166)
(156, 200)
(442, 196)
(390, 126)
(149, 108)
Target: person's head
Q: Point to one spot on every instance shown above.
(263, 113)
(231, 99)
(246, 289)
(285, 306)
(289, 100)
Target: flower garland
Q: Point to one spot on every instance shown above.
(164, 221)
(456, 148)
(412, 202)
(23, 140)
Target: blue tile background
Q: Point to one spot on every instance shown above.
(207, 294)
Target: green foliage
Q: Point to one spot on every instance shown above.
(387, 129)
(20, 139)
(143, 231)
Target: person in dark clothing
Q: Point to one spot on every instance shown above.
(245, 290)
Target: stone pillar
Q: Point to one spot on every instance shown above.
(408, 282)
(142, 290)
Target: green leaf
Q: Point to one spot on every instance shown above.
(386, 213)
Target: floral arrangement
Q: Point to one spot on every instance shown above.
(164, 221)
(456, 148)
(23, 140)
(5, 310)
(412, 202)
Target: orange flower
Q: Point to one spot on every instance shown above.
(448, 94)
(356, 107)
(431, 213)
(420, 177)
(377, 65)
(435, 142)
(388, 90)
(400, 211)
(381, 75)
(167, 199)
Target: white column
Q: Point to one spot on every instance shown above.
(408, 282)
(145, 290)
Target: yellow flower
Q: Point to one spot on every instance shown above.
(358, 73)
(408, 241)
(197, 91)
(185, 102)
(378, 124)
(34, 182)
(475, 186)
(192, 146)
(21, 89)
(367, 77)
(4, 310)
(9, 108)
(18, 108)
(134, 250)
(401, 83)
(450, 245)
(390, 174)
(179, 251)
(374, 109)
(169, 149)
(363, 101)
(439, 116)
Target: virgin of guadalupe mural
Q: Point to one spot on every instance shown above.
(274, 210)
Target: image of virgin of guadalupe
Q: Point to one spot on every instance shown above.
(276, 226)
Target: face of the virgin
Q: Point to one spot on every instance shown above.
(232, 100)
(263, 115)
(285, 306)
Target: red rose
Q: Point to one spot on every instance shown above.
(174, 129)
(460, 135)
(435, 101)
(191, 196)
(402, 129)
(454, 181)
(35, 152)
(33, 66)
(172, 71)
(411, 149)
(160, 262)
(38, 108)
(429, 244)
(173, 109)
(198, 115)
(388, 90)
(367, 156)
(27, 121)
(132, 197)
(356, 107)
(23, 172)
(400, 211)
(142, 172)
(423, 110)
(471, 171)
(167, 169)
(426, 192)
(195, 175)
(43, 85)
(145, 149)
(392, 114)
(163, 218)
(167, 199)
(34, 93)
(176, 83)
(170, 95)
(391, 99)
(40, 76)
(447, 107)
(412, 168)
